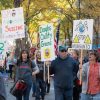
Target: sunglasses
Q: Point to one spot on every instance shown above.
(63, 51)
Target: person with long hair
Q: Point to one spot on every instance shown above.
(91, 78)
(40, 82)
(25, 69)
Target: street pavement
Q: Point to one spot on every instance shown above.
(9, 84)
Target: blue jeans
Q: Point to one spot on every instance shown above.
(90, 97)
(63, 94)
(25, 94)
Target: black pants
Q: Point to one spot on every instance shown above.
(47, 87)
(10, 70)
(76, 92)
(40, 89)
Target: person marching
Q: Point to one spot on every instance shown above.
(91, 78)
(64, 69)
(40, 82)
(32, 58)
(24, 70)
(77, 85)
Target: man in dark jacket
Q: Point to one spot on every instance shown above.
(64, 69)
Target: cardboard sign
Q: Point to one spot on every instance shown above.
(13, 23)
(82, 34)
(47, 42)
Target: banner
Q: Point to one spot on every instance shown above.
(13, 23)
(82, 34)
(47, 42)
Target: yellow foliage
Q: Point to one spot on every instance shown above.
(39, 12)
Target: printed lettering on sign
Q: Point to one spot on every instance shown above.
(82, 34)
(13, 23)
(47, 42)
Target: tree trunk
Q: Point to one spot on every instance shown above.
(17, 3)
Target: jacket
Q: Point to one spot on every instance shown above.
(65, 71)
(85, 75)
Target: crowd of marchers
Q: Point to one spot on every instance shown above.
(66, 70)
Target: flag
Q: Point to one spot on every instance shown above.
(57, 33)
(55, 46)
(56, 40)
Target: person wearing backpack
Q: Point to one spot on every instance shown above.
(25, 70)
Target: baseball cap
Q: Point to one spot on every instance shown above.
(62, 47)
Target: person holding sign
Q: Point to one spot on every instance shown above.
(64, 70)
(40, 82)
(91, 78)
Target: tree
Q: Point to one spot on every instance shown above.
(38, 12)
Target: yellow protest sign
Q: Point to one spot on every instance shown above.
(47, 53)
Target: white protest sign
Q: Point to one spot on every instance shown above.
(13, 23)
(82, 34)
(47, 42)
